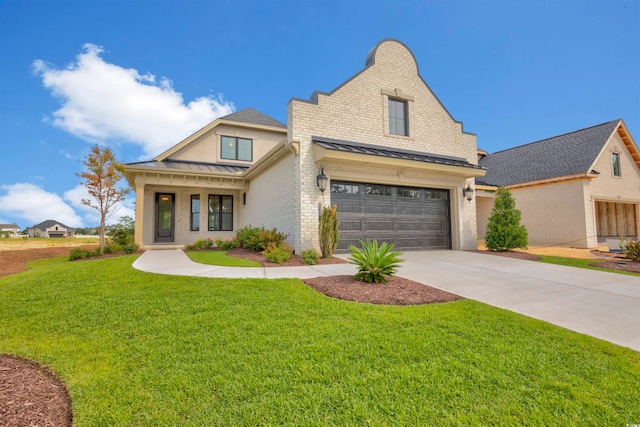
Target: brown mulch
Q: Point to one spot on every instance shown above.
(15, 261)
(32, 395)
(397, 291)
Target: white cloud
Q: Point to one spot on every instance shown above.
(34, 205)
(103, 101)
(91, 216)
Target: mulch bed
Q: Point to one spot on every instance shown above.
(397, 291)
(294, 261)
(32, 395)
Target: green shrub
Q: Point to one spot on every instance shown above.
(227, 244)
(374, 263)
(259, 238)
(112, 248)
(310, 256)
(77, 253)
(630, 248)
(198, 244)
(278, 253)
(328, 231)
(504, 231)
(131, 248)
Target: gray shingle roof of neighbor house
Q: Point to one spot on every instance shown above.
(249, 115)
(377, 150)
(191, 166)
(3, 226)
(50, 223)
(568, 154)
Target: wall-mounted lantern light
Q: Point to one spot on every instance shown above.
(467, 192)
(321, 180)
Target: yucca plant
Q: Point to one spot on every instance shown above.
(374, 263)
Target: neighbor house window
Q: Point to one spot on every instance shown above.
(398, 124)
(195, 213)
(220, 213)
(615, 162)
(233, 148)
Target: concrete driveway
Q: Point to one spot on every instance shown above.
(603, 305)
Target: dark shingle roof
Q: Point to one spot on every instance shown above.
(50, 223)
(191, 166)
(377, 150)
(568, 154)
(249, 115)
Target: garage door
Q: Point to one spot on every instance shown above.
(411, 218)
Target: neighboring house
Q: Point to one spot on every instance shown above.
(50, 228)
(396, 160)
(9, 230)
(575, 189)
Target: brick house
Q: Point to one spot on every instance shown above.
(577, 189)
(398, 166)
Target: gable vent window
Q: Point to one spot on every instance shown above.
(233, 148)
(615, 163)
(398, 123)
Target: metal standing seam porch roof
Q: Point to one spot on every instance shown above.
(394, 153)
(181, 165)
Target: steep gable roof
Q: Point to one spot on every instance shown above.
(249, 115)
(568, 154)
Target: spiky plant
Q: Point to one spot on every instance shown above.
(374, 263)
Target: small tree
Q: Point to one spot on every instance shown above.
(328, 231)
(100, 179)
(504, 231)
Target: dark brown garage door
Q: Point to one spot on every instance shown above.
(411, 218)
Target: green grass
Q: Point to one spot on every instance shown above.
(145, 349)
(580, 263)
(219, 258)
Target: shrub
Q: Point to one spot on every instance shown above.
(278, 253)
(198, 244)
(227, 244)
(374, 263)
(504, 231)
(77, 253)
(123, 233)
(112, 248)
(630, 248)
(328, 231)
(310, 256)
(131, 248)
(259, 238)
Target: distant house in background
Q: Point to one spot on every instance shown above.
(9, 230)
(578, 189)
(50, 228)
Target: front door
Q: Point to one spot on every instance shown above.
(165, 211)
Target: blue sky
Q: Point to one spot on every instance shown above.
(138, 76)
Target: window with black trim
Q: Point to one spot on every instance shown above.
(220, 213)
(615, 163)
(398, 123)
(195, 213)
(234, 148)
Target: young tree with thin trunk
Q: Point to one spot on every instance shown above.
(100, 179)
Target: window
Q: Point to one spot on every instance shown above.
(220, 213)
(233, 148)
(377, 190)
(413, 193)
(398, 117)
(195, 213)
(345, 188)
(615, 162)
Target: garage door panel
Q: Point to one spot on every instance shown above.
(410, 218)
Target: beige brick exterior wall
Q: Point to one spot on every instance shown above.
(357, 111)
(271, 199)
(484, 206)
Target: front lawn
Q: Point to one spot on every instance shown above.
(590, 264)
(145, 349)
(219, 258)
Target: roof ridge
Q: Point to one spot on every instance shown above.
(555, 136)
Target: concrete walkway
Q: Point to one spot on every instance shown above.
(600, 304)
